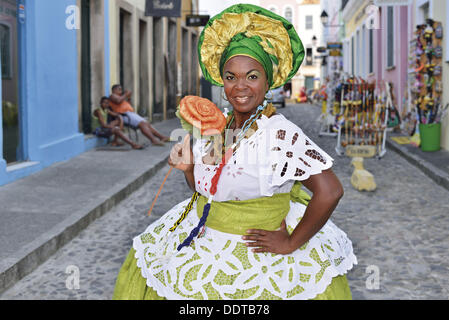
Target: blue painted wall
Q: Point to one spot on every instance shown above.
(48, 89)
(53, 81)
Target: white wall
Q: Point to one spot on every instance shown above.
(306, 35)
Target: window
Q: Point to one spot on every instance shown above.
(309, 22)
(288, 14)
(5, 45)
(309, 57)
(352, 55)
(309, 83)
(390, 37)
(424, 12)
(346, 56)
(363, 55)
(371, 49)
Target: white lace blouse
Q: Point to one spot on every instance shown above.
(267, 163)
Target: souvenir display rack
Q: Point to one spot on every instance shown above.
(425, 72)
(364, 112)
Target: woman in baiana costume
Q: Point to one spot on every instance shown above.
(249, 231)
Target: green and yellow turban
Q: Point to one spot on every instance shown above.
(249, 30)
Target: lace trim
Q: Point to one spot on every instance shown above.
(219, 265)
(291, 155)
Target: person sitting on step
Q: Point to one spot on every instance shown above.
(106, 123)
(120, 103)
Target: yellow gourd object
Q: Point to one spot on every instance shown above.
(361, 179)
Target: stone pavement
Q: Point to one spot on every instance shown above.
(399, 232)
(433, 164)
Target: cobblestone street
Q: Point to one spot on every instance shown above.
(401, 231)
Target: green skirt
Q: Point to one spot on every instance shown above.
(130, 285)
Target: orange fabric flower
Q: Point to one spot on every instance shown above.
(202, 114)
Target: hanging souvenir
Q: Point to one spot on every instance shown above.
(419, 66)
(429, 53)
(419, 49)
(429, 84)
(438, 52)
(439, 86)
(420, 28)
(439, 32)
(430, 69)
(428, 35)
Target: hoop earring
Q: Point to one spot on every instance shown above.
(223, 96)
(269, 98)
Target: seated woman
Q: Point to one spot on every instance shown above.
(106, 123)
(252, 233)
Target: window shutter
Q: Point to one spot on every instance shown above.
(390, 37)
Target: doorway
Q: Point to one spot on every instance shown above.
(144, 97)
(194, 66)
(86, 80)
(158, 69)
(126, 53)
(185, 62)
(10, 79)
(171, 67)
(309, 83)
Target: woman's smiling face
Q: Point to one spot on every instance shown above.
(245, 83)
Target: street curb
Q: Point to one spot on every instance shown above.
(439, 176)
(26, 260)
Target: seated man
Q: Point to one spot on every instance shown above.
(120, 104)
(106, 123)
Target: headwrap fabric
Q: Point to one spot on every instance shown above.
(242, 45)
(245, 29)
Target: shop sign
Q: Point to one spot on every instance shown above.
(335, 48)
(21, 13)
(194, 20)
(360, 151)
(335, 45)
(163, 8)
